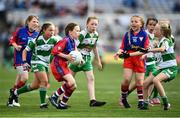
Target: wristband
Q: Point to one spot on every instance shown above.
(25, 61)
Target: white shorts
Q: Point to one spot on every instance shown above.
(20, 70)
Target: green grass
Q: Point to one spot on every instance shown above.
(107, 89)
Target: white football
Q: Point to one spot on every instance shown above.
(76, 56)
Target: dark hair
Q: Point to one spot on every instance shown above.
(151, 18)
(29, 18)
(44, 27)
(70, 27)
(91, 17)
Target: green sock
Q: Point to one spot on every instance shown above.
(155, 93)
(24, 89)
(146, 103)
(42, 93)
(164, 99)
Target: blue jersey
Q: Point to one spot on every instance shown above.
(140, 39)
(21, 37)
(65, 46)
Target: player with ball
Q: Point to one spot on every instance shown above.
(63, 52)
(87, 43)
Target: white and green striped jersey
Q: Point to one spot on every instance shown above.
(150, 56)
(167, 58)
(86, 42)
(41, 49)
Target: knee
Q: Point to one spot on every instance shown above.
(90, 79)
(125, 82)
(44, 83)
(145, 85)
(155, 81)
(72, 85)
(24, 79)
(139, 83)
(33, 87)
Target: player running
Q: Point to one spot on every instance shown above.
(60, 69)
(86, 44)
(19, 41)
(41, 47)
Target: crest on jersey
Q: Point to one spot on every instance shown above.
(134, 39)
(141, 38)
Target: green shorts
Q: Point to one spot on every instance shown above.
(171, 72)
(150, 68)
(38, 67)
(87, 66)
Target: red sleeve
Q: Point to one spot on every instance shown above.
(122, 43)
(59, 47)
(13, 38)
(146, 43)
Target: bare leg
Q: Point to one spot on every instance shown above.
(157, 82)
(90, 84)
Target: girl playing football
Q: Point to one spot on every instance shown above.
(19, 41)
(60, 69)
(41, 47)
(135, 38)
(150, 59)
(86, 44)
(167, 65)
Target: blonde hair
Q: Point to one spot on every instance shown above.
(142, 22)
(91, 17)
(141, 19)
(29, 18)
(165, 30)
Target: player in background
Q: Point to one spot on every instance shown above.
(56, 33)
(135, 38)
(19, 41)
(167, 65)
(86, 44)
(60, 69)
(166, 21)
(41, 47)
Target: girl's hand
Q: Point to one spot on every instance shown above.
(18, 47)
(143, 57)
(143, 50)
(70, 58)
(116, 56)
(99, 64)
(26, 66)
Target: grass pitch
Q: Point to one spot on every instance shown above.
(107, 89)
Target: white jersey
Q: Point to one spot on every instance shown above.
(150, 56)
(167, 58)
(41, 49)
(86, 42)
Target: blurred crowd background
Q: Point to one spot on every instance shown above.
(114, 16)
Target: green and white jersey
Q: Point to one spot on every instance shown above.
(150, 56)
(41, 50)
(86, 42)
(167, 58)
